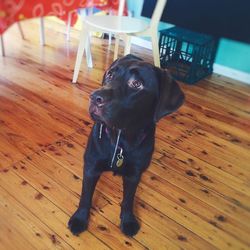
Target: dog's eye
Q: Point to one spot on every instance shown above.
(135, 84)
(110, 75)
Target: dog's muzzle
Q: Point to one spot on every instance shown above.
(97, 103)
(97, 100)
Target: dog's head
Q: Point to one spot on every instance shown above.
(134, 93)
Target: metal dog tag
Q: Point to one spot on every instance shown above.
(120, 158)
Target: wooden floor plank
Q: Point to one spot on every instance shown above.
(221, 105)
(74, 152)
(196, 206)
(69, 202)
(202, 168)
(31, 228)
(202, 192)
(8, 232)
(146, 236)
(48, 213)
(214, 123)
(173, 158)
(220, 153)
(194, 169)
(60, 155)
(107, 188)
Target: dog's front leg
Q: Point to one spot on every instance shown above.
(129, 224)
(79, 220)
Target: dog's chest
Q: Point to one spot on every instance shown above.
(113, 152)
(119, 159)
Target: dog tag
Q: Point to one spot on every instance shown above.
(120, 158)
(119, 162)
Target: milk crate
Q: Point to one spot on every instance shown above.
(188, 55)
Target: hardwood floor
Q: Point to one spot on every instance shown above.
(195, 195)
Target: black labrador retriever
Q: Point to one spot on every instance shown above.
(134, 96)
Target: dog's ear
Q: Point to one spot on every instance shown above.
(170, 97)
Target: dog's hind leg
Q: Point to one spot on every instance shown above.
(79, 220)
(129, 225)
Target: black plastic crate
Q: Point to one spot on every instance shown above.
(188, 55)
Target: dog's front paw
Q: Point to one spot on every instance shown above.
(78, 222)
(129, 225)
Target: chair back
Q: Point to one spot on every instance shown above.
(156, 17)
(121, 7)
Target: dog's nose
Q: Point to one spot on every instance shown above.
(97, 99)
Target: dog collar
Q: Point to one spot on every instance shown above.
(120, 156)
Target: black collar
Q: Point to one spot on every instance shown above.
(134, 138)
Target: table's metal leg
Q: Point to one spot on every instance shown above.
(42, 35)
(2, 45)
(20, 30)
(68, 26)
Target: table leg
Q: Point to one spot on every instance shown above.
(68, 26)
(20, 30)
(42, 35)
(2, 45)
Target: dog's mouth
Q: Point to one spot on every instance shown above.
(99, 113)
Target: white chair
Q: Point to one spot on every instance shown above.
(123, 27)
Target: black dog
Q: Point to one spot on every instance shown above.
(134, 96)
